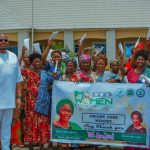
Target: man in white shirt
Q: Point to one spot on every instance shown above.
(10, 90)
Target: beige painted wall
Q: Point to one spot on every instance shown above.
(45, 36)
(126, 33)
(13, 37)
(122, 35)
(99, 34)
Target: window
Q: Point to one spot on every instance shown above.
(76, 47)
(99, 45)
(13, 49)
(128, 47)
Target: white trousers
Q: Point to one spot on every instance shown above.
(5, 127)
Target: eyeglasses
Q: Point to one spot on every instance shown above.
(3, 40)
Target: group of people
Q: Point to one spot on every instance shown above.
(32, 83)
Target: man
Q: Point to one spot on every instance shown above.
(10, 90)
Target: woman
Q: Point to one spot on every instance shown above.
(73, 76)
(56, 57)
(85, 72)
(36, 125)
(25, 58)
(48, 75)
(114, 73)
(100, 66)
(136, 127)
(130, 62)
(70, 74)
(65, 109)
(101, 75)
(140, 68)
(134, 74)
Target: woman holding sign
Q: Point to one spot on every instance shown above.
(134, 75)
(70, 74)
(85, 72)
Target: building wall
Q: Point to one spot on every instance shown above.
(98, 36)
(128, 19)
(74, 14)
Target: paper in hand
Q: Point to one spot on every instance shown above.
(147, 80)
(148, 34)
(77, 61)
(56, 66)
(83, 38)
(121, 48)
(49, 55)
(37, 48)
(26, 43)
(52, 37)
(137, 42)
(99, 50)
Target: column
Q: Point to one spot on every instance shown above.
(111, 44)
(68, 40)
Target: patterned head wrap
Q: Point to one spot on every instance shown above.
(113, 61)
(63, 102)
(84, 57)
(72, 60)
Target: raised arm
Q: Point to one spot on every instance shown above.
(46, 51)
(80, 52)
(22, 55)
(122, 67)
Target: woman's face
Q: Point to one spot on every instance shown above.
(100, 65)
(26, 60)
(70, 68)
(37, 64)
(65, 112)
(140, 62)
(56, 56)
(85, 65)
(115, 67)
(136, 120)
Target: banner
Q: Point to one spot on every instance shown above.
(100, 113)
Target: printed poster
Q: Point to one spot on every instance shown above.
(100, 113)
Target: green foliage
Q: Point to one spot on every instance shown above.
(70, 52)
(58, 45)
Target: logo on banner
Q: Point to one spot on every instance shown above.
(140, 92)
(120, 92)
(130, 92)
(93, 99)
